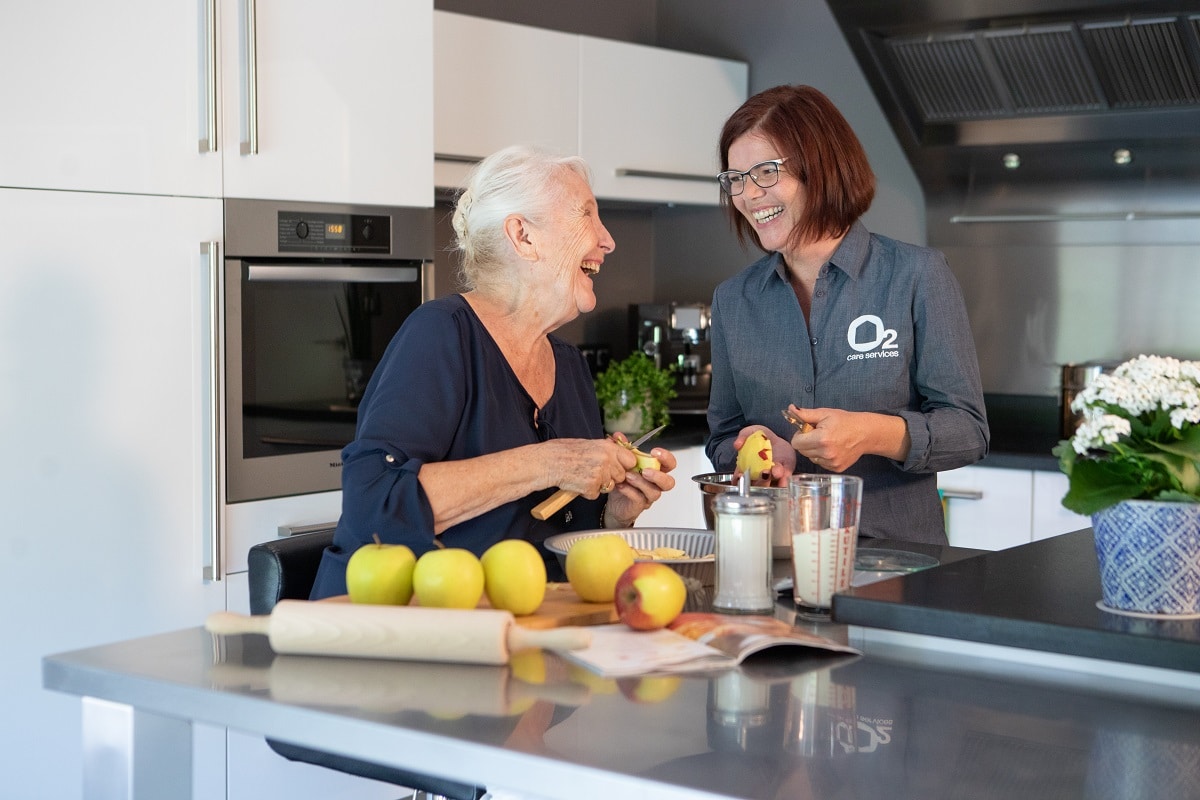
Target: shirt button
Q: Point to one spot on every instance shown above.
(391, 459)
(808, 388)
(820, 294)
(813, 340)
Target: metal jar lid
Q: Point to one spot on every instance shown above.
(734, 503)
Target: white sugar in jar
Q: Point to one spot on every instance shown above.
(743, 550)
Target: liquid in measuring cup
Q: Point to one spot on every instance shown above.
(822, 565)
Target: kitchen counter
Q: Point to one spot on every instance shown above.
(784, 724)
(1038, 596)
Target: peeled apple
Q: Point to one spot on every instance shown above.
(645, 461)
(754, 456)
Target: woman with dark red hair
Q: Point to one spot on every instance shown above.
(864, 339)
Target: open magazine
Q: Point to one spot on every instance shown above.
(694, 642)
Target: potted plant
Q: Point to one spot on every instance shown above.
(634, 393)
(1133, 464)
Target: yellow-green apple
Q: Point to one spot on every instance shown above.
(645, 461)
(594, 563)
(649, 689)
(754, 456)
(649, 595)
(381, 574)
(514, 576)
(448, 578)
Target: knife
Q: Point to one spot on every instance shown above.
(550, 506)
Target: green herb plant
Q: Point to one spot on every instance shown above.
(635, 382)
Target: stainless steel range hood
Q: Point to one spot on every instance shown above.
(1105, 91)
(1058, 146)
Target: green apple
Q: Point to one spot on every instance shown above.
(594, 563)
(381, 574)
(448, 578)
(514, 576)
(649, 595)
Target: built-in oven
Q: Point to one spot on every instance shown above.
(312, 295)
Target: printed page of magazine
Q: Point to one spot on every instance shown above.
(694, 642)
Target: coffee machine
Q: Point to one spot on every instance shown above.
(677, 333)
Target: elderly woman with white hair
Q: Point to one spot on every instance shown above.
(477, 411)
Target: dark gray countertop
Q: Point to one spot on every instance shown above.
(1038, 596)
(786, 724)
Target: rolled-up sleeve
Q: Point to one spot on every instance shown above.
(950, 428)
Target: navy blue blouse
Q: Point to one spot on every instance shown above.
(442, 392)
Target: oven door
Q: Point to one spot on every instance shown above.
(302, 340)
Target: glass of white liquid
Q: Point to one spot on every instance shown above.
(823, 516)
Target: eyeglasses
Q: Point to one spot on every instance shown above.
(765, 174)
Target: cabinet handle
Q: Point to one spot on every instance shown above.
(302, 530)
(208, 136)
(456, 159)
(629, 172)
(216, 362)
(250, 147)
(334, 274)
(962, 494)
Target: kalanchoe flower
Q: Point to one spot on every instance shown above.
(1139, 437)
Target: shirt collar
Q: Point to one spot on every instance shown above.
(849, 257)
(851, 254)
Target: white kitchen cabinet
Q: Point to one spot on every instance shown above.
(498, 84)
(650, 120)
(105, 97)
(116, 99)
(1049, 516)
(103, 303)
(645, 118)
(247, 524)
(344, 101)
(681, 507)
(986, 507)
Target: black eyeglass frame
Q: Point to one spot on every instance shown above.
(723, 178)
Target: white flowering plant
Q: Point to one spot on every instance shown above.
(1139, 438)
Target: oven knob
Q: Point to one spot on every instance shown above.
(302, 230)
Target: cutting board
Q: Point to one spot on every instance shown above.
(560, 608)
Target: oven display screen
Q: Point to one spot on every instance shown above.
(307, 232)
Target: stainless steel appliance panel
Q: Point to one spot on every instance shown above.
(1063, 290)
(313, 293)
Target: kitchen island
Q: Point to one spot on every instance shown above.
(784, 724)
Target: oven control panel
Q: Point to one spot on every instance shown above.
(314, 232)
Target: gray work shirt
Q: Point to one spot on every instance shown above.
(888, 333)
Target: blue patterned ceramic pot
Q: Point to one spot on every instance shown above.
(1149, 555)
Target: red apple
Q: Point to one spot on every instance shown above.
(649, 595)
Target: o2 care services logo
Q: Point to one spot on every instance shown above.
(869, 339)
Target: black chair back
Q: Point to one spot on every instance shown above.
(285, 569)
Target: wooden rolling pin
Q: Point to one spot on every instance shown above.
(407, 633)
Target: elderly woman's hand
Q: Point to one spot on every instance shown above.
(587, 467)
(638, 491)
